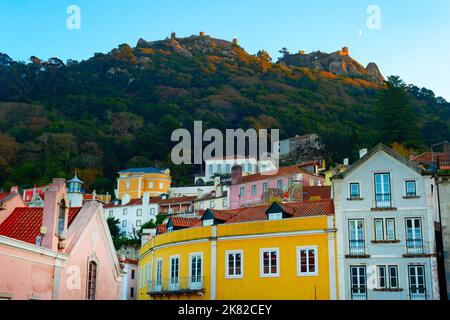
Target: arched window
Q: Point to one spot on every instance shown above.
(61, 216)
(92, 280)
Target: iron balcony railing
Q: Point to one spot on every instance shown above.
(414, 246)
(383, 200)
(173, 285)
(417, 293)
(359, 293)
(357, 247)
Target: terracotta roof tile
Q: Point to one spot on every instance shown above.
(4, 195)
(271, 174)
(427, 157)
(177, 200)
(323, 192)
(183, 222)
(24, 223)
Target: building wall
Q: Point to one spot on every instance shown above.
(384, 253)
(250, 237)
(444, 197)
(130, 281)
(219, 203)
(236, 201)
(140, 183)
(149, 212)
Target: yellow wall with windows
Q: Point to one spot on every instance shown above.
(138, 184)
(250, 237)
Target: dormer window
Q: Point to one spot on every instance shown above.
(169, 229)
(208, 222)
(276, 216)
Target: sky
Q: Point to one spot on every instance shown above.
(411, 38)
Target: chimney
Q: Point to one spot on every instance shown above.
(55, 214)
(345, 162)
(14, 189)
(236, 175)
(362, 152)
(446, 151)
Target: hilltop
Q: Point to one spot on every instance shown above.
(118, 109)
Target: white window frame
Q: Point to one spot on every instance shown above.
(149, 274)
(254, 188)
(138, 212)
(174, 286)
(124, 211)
(386, 284)
(161, 186)
(242, 192)
(124, 223)
(316, 261)
(159, 274)
(350, 189)
(406, 187)
(234, 252)
(208, 222)
(194, 285)
(111, 213)
(276, 216)
(389, 267)
(150, 185)
(261, 263)
(212, 204)
(138, 223)
(127, 185)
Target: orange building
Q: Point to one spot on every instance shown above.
(134, 182)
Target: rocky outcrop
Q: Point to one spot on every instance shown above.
(373, 73)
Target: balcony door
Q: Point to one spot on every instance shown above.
(195, 279)
(356, 237)
(414, 240)
(174, 283)
(417, 290)
(383, 190)
(358, 282)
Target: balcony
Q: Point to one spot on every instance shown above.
(359, 293)
(417, 293)
(182, 285)
(415, 248)
(383, 200)
(357, 249)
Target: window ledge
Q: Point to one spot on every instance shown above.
(357, 256)
(385, 241)
(383, 209)
(388, 289)
(417, 255)
(355, 199)
(411, 197)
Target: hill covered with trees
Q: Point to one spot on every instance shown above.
(118, 110)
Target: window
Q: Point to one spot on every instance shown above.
(152, 211)
(270, 263)
(127, 185)
(382, 190)
(379, 230)
(125, 211)
(139, 212)
(390, 229)
(202, 205)
(354, 191)
(356, 237)
(358, 282)
(212, 204)
(132, 274)
(169, 229)
(234, 264)
(254, 190)
(208, 222)
(381, 270)
(264, 186)
(410, 187)
(276, 216)
(174, 273)
(242, 192)
(224, 203)
(61, 217)
(249, 167)
(131, 292)
(92, 280)
(219, 168)
(149, 273)
(161, 186)
(124, 223)
(416, 275)
(290, 181)
(307, 261)
(111, 213)
(211, 169)
(311, 182)
(195, 271)
(393, 277)
(280, 184)
(228, 168)
(150, 184)
(158, 282)
(414, 241)
(138, 223)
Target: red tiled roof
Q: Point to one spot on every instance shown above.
(177, 200)
(4, 195)
(427, 157)
(271, 174)
(183, 222)
(323, 192)
(133, 202)
(24, 223)
(162, 228)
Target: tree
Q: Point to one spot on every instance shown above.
(394, 121)
(114, 228)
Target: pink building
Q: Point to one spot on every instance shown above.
(249, 190)
(8, 202)
(56, 252)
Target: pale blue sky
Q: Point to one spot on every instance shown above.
(413, 42)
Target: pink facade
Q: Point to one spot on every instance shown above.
(8, 202)
(254, 184)
(76, 252)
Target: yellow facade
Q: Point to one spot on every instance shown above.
(287, 236)
(135, 184)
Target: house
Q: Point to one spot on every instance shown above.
(9, 201)
(385, 220)
(130, 270)
(59, 253)
(178, 205)
(277, 251)
(132, 214)
(261, 187)
(188, 191)
(133, 182)
(216, 199)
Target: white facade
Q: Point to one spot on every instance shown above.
(133, 214)
(385, 240)
(175, 192)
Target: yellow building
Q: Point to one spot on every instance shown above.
(281, 251)
(135, 181)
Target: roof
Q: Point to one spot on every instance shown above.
(183, 222)
(4, 196)
(75, 179)
(143, 170)
(24, 223)
(271, 174)
(322, 192)
(132, 202)
(379, 147)
(428, 157)
(211, 195)
(177, 200)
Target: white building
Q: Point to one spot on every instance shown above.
(132, 214)
(222, 166)
(218, 198)
(188, 191)
(385, 240)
